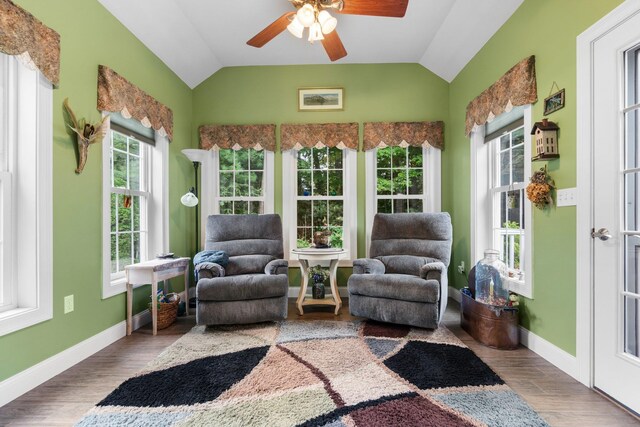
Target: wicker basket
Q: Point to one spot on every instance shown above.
(167, 312)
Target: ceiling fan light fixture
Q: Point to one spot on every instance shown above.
(295, 27)
(327, 22)
(315, 32)
(306, 15)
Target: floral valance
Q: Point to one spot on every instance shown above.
(403, 134)
(339, 135)
(117, 94)
(35, 44)
(517, 87)
(236, 137)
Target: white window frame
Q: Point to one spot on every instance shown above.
(482, 204)
(157, 218)
(432, 182)
(27, 184)
(290, 205)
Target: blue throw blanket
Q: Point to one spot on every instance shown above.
(217, 257)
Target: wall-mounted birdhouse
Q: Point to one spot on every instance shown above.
(546, 135)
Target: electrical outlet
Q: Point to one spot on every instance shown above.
(567, 197)
(68, 304)
(461, 267)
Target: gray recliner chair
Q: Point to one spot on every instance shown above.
(405, 280)
(254, 285)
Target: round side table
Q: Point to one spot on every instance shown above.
(307, 256)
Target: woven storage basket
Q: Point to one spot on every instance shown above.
(167, 312)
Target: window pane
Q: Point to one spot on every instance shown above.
(632, 138)
(505, 142)
(505, 168)
(399, 157)
(320, 160)
(384, 206)
(335, 158)
(134, 146)
(503, 209)
(226, 208)
(335, 213)
(514, 206)
(320, 183)
(632, 264)
(415, 205)
(242, 160)
(124, 213)
(631, 324)
(319, 214)
(119, 169)
(134, 173)
(517, 137)
(257, 159)
(240, 207)
(304, 159)
(518, 164)
(383, 157)
(416, 183)
(226, 160)
(336, 238)
(135, 206)
(399, 181)
(119, 141)
(304, 213)
(415, 157)
(304, 183)
(384, 182)
(255, 179)
(335, 183)
(114, 251)
(114, 206)
(304, 239)
(226, 184)
(256, 208)
(136, 247)
(124, 251)
(242, 184)
(400, 206)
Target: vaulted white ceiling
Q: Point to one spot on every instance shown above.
(195, 38)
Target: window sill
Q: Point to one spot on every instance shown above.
(114, 287)
(518, 286)
(19, 318)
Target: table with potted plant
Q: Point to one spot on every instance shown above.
(314, 256)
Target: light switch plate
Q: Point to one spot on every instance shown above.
(68, 304)
(567, 197)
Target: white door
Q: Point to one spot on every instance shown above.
(616, 210)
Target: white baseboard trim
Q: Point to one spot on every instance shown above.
(295, 290)
(552, 354)
(455, 294)
(30, 378)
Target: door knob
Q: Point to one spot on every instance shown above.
(602, 234)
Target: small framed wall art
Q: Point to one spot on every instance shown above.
(321, 99)
(554, 102)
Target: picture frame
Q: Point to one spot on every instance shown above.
(321, 99)
(554, 102)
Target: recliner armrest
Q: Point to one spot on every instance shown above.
(368, 266)
(277, 266)
(433, 271)
(209, 270)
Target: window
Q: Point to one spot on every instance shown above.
(402, 179)
(135, 207)
(320, 195)
(25, 196)
(501, 213)
(241, 181)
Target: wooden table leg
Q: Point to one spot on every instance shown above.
(154, 304)
(129, 307)
(186, 290)
(333, 269)
(304, 270)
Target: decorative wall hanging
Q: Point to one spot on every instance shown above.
(32, 42)
(321, 99)
(546, 134)
(516, 87)
(86, 134)
(236, 137)
(403, 134)
(539, 189)
(338, 135)
(116, 94)
(555, 101)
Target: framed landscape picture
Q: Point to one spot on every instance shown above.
(321, 99)
(554, 102)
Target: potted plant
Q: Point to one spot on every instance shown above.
(318, 275)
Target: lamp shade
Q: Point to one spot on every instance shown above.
(327, 22)
(189, 200)
(315, 33)
(195, 155)
(295, 27)
(306, 15)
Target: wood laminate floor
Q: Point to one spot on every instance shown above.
(63, 400)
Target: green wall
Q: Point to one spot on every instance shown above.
(380, 92)
(548, 30)
(90, 36)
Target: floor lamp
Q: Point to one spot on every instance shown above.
(190, 199)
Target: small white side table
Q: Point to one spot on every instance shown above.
(309, 255)
(154, 271)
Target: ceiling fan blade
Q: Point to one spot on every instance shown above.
(392, 8)
(272, 30)
(333, 45)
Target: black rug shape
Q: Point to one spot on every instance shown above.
(431, 365)
(198, 381)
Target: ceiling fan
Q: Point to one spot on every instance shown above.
(314, 14)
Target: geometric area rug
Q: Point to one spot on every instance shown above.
(314, 373)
